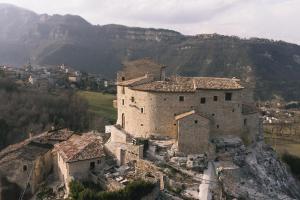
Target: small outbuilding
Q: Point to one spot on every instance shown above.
(78, 156)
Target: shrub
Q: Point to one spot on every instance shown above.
(134, 190)
(293, 162)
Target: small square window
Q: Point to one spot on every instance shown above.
(181, 98)
(228, 96)
(142, 124)
(132, 99)
(123, 78)
(24, 168)
(203, 100)
(196, 121)
(218, 126)
(213, 114)
(215, 98)
(142, 110)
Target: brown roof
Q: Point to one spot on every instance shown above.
(190, 84)
(78, 148)
(35, 146)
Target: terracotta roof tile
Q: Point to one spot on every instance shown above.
(189, 84)
(84, 147)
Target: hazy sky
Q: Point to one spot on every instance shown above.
(274, 19)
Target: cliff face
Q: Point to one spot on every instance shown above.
(273, 67)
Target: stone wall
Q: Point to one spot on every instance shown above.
(150, 113)
(193, 134)
(42, 168)
(77, 170)
(251, 126)
(20, 171)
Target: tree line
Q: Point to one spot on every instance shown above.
(24, 110)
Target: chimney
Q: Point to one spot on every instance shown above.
(30, 134)
(163, 73)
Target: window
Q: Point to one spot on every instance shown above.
(142, 124)
(218, 126)
(123, 78)
(123, 90)
(215, 98)
(24, 168)
(123, 101)
(132, 99)
(213, 114)
(245, 122)
(203, 100)
(98, 161)
(142, 110)
(181, 98)
(228, 96)
(233, 110)
(196, 121)
(92, 165)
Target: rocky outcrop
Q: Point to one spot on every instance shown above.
(259, 174)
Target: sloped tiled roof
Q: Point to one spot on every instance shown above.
(78, 148)
(189, 84)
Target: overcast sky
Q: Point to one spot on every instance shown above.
(273, 19)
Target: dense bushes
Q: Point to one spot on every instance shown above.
(293, 162)
(133, 191)
(23, 110)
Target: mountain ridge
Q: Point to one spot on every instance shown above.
(273, 67)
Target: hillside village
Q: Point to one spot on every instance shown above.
(51, 77)
(188, 137)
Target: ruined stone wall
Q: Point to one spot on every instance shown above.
(133, 152)
(42, 168)
(193, 134)
(20, 171)
(63, 171)
(144, 167)
(159, 110)
(251, 125)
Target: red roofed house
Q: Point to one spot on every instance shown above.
(78, 156)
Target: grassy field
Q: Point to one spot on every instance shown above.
(284, 144)
(100, 104)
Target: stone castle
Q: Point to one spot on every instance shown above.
(191, 110)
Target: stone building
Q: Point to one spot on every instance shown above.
(192, 110)
(78, 156)
(28, 163)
